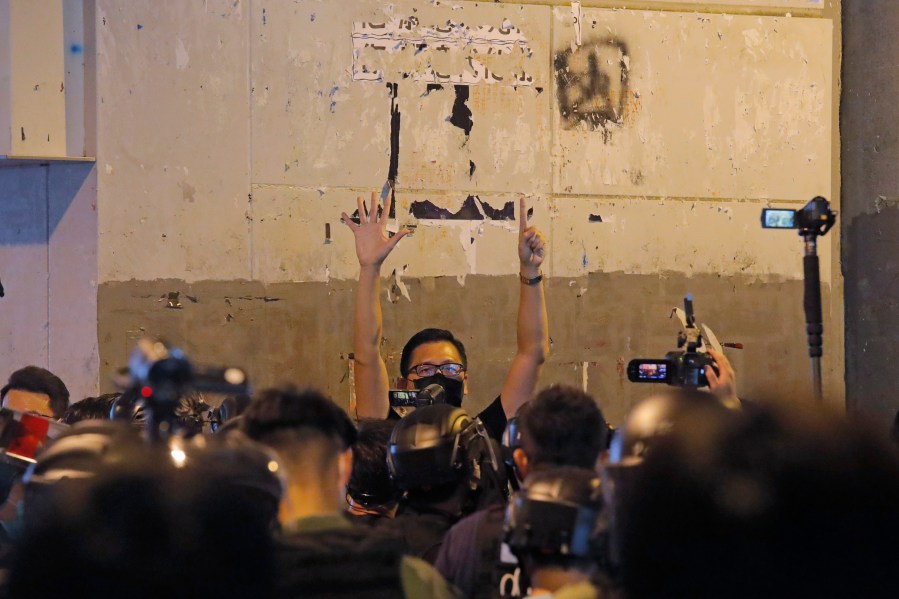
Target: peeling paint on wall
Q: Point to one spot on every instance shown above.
(449, 53)
(473, 208)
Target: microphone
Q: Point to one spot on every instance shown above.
(430, 395)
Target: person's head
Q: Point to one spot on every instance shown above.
(436, 356)
(427, 456)
(654, 417)
(767, 502)
(90, 408)
(141, 528)
(241, 466)
(313, 437)
(551, 525)
(35, 389)
(192, 412)
(370, 485)
(561, 426)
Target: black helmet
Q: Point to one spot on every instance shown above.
(232, 460)
(83, 450)
(426, 447)
(556, 514)
(656, 417)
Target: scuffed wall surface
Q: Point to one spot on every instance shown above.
(646, 152)
(302, 332)
(710, 106)
(173, 140)
(870, 222)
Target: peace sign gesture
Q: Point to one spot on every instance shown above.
(373, 245)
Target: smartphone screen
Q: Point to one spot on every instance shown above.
(778, 219)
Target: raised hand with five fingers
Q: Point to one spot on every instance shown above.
(373, 244)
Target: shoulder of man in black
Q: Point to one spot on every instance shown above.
(494, 419)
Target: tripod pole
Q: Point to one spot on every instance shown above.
(812, 304)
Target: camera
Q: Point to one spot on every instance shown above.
(157, 378)
(403, 402)
(684, 367)
(816, 216)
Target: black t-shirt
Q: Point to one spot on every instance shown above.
(493, 417)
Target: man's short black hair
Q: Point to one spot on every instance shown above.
(289, 408)
(563, 426)
(91, 408)
(40, 380)
(429, 336)
(370, 482)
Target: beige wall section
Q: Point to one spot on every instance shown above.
(714, 106)
(37, 77)
(314, 125)
(173, 140)
(232, 134)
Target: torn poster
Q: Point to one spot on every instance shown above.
(405, 49)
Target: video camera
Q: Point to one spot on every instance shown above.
(684, 367)
(815, 217)
(161, 375)
(403, 402)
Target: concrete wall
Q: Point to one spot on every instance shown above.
(48, 268)
(231, 134)
(871, 205)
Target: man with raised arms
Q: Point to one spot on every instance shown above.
(436, 355)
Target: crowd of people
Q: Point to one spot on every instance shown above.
(285, 494)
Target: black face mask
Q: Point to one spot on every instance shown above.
(454, 388)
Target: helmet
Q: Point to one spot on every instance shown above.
(426, 447)
(656, 417)
(555, 514)
(84, 450)
(232, 460)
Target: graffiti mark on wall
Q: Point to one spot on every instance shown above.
(451, 53)
(592, 82)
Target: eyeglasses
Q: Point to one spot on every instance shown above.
(449, 369)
